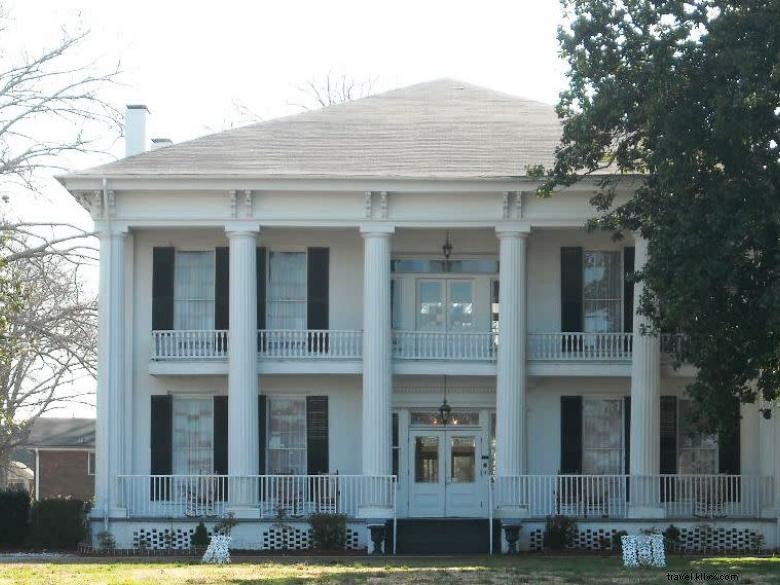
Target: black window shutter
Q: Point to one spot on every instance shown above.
(571, 289)
(395, 443)
(261, 425)
(627, 434)
(161, 442)
(220, 435)
(628, 289)
(162, 288)
(668, 438)
(728, 445)
(317, 434)
(571, 434)
(222, 289)
(261, 280)
(318, 272)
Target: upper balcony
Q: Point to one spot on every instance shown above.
(291, 351)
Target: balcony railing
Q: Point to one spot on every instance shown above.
(189, 345)
(612, 496)
(435, 345)
(311, 343)
(182, 496)
(579, 346)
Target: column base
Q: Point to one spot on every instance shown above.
(512, 512)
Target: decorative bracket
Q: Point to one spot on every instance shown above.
(375, 204)
(92, 201)
(512, 205)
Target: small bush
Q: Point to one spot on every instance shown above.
(200, 538)
(106, 540)
(617, 539)
(329, 531)
(672, 538)
(559, 532)
(58, 523)
(226, 524)
(15, 512)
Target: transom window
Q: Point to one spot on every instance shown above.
(286, 447)
(430, 417)
(286, 290)
(602, 291)
(193, 436)
(436, 266)
(193, 290)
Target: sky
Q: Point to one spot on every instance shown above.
(197, 64)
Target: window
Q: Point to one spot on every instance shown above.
(494, 307)
(395, 302)
(697, 453)
(193, 436)
(602, 288)
(193, 290)
(286, 436)
(602, 436)
(91, 463)
(287, 291)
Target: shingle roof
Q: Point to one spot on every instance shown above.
(439, 129)
(62, 432)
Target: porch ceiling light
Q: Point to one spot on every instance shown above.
(444, 412)
(446, 249)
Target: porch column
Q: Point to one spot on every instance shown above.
(645, 405)
(511, 373)
(110, 399)
(243, 380)
(377, 359)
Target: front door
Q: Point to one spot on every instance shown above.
(446, 473)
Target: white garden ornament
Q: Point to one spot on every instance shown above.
(218, 551)
(644, 550)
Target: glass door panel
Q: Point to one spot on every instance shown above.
(463, 459)
(430, 305)
(426, 459)
(460, 305)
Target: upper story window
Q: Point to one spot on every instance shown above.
(194, 290)
(602, 291)
(287, 295)
(91, 463)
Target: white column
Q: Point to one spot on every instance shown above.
(243, 380)
(511, 373)
(110, 400)
(645, 403)
(377, 359)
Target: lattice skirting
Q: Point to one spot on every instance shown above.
(163, 538)
(298, 538)
(696, 538)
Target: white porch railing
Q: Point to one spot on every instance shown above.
(181, 496)
(579, 346)
(612, 496)
(310, 343)
(435, 345)
(189, 345)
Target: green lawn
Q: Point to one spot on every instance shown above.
(530, 569)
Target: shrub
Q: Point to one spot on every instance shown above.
(106, 540)
(559, 532)
(57, 523)
(200, 538)
(617, 539)
(672, 538)
(15, 512)
(226, 524)
(329, 531)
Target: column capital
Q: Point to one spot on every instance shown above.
(239, 229)
(515, 231)
(377, 230)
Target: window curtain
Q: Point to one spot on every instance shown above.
(602, 287)
(698, 453)
(193, 436)
(194, 291)
(602, 437)
(287, 291)
(287, 436)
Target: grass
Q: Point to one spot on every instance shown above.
(531, 569)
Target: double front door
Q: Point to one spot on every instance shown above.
(448, 473)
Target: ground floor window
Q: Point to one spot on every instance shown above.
(193, 436)
(697, 452)
(286, 448)
(602, 436)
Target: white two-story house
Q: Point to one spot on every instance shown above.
(367, 310)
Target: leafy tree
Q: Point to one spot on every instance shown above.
(673, 110)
